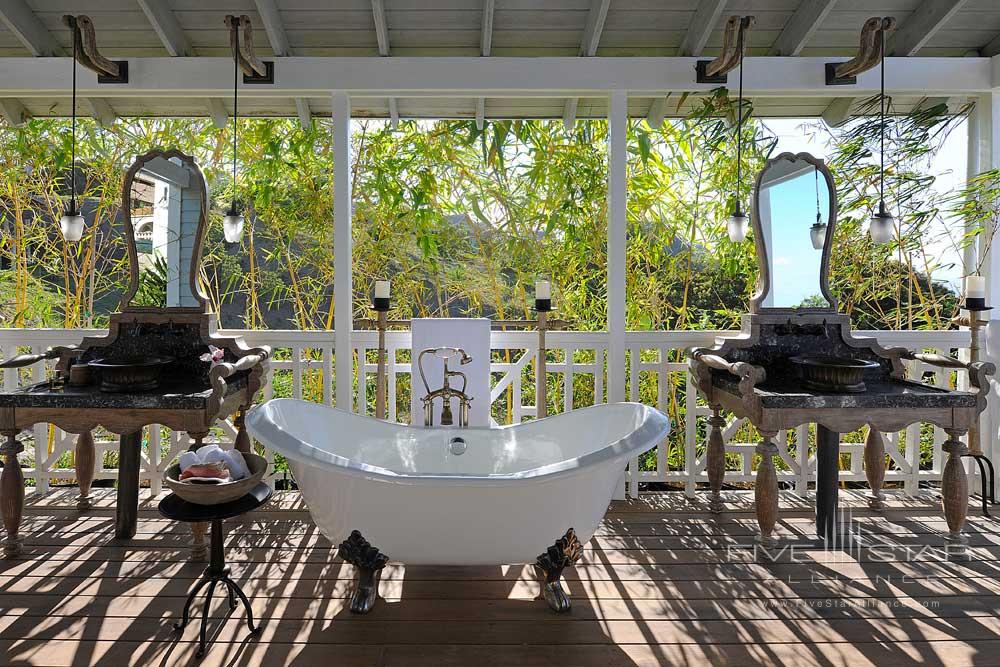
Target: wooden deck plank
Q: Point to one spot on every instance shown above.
(662, 583)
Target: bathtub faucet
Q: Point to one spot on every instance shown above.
(446, 392)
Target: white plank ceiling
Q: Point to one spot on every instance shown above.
(519, 28)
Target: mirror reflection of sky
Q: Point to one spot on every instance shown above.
(795, 263)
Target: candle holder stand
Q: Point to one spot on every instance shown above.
(986, 470)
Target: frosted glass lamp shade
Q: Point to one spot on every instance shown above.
(817, 234)
(71, 224)
(737, 226)
(882, 226)
(232, 226)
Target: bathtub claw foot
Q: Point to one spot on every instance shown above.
(369, 562)
(564, 553)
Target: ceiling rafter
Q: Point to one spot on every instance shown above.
(801, 27)
(13, 112)
(167, 28)
(485, 46)
(596, 17)
(21, 20)
(276, 35)
(921, 25)
(657, 112)
(217, 110)
(838, 111)
(101, 111)
(991, 49)
(705, 18)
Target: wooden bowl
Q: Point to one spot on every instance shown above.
(216, 494)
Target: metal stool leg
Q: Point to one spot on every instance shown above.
(204, 619)
(186, 615)
(234, 588)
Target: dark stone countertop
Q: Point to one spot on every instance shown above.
(879, 394)
(174, 395)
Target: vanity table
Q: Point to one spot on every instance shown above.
(796, 361)
(150, 367)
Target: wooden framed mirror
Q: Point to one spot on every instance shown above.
(794, 218)
(165, 200)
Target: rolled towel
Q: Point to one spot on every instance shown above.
(232, 460)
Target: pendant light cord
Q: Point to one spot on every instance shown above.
(881, 184)
(816, 174)
(739, 131)
(72, 178)
(236, 78)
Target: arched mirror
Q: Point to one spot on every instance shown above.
(795, 213)
(165, 205)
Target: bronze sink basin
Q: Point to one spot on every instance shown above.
(821, 372)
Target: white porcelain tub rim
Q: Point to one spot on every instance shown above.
(654, 428)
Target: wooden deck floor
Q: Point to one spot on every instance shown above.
(663, 583)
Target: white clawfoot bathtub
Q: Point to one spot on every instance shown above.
(511, 494)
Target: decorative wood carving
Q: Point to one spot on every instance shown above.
(875, 467)
(85, 462)
(766, 490)
(11, 494)
(955, 493)
(715, 454)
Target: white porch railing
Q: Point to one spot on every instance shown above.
(303, 365)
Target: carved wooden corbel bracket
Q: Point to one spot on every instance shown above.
(85, 39)
(254, 69)
(734, 46)
(869, 52)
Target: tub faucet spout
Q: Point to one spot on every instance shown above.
(446, 392)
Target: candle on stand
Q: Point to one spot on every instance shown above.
(543, 296)
(381, 295)
(975, 293)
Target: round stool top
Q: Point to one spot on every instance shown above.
(174, 507)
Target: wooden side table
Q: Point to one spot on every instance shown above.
(173, 507)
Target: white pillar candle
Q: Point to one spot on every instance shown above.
(382, 289)
(975, 287)
(542, 289)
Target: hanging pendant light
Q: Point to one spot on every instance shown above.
(738, 220)
(882, 226)
(71, 223)
(232, 223)
(817, 233)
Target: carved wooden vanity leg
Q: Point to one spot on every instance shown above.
(85, 463)
(199, 531)
(242, 442)
(11, 494)
(955, 493)
(715, 464)
(875, 467)
(766, 490)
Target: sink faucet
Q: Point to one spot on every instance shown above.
(446, 392)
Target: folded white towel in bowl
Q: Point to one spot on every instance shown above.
(232, 459)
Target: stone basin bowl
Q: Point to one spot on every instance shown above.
(832, 374)
(216, 494)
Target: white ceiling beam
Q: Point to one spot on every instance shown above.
(13, 112)
(269, 16)
(217, 110)
(278, 38)
(801, 27)
(382, 36)
(480, 113)
(203, 77)
(381, 27)
(657, 112)
(168, 29)
(304, 113)
(393, 113)
(101, 110)
(485, 46)
(486, 32)
(705, 18)
(596, 17)
(838, 112)
(21, 21)
(569, 113)
(921, 25)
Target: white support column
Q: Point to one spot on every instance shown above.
(343, 287)
(617, 222)
(984, 140)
